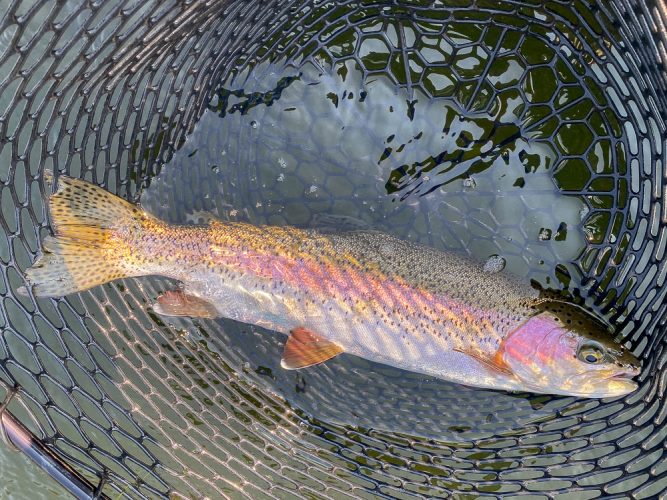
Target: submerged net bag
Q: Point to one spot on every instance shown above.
(211, 107)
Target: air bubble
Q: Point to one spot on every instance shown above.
(545, 234)
(469, 183)
(215, 169)
(254, 124)
(494, 264)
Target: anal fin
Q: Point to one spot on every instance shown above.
(305, 348)
(178, 303)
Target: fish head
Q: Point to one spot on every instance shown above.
(564, 350)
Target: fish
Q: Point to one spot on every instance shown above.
(364, 293)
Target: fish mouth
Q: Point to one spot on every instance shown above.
(626, 373)
(611, 383)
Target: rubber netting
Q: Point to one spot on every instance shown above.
(109, 91)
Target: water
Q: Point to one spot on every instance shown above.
(443, 144)
(331, 150)
(21, 478)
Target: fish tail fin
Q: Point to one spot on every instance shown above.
(85, 249)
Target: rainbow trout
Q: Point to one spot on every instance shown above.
(363, 293)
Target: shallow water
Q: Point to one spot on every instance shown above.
(22, 479)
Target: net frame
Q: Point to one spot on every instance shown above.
(111, 60)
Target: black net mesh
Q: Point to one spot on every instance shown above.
(561, 104)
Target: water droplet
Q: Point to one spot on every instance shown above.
(494, 264)
(469, 183)
(254, 124)
(545, 234)
(215, 169)
(223, 152)
(561, 232)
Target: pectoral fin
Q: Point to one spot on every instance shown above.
(496, 363)
(178, 303)
(305, 348)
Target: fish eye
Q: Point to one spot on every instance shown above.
(591, 353)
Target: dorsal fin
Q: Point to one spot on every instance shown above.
(305, 348)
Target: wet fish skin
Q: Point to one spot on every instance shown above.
(363, 292)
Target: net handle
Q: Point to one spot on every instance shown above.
(18, 436)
